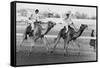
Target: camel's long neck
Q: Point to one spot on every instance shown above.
(47, 30)
(80, 32)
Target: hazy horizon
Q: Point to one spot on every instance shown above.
(57, 8)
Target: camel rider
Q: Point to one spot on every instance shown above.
(34, 18)
(68, 21)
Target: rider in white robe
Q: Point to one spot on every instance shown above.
(33, 18)
(68, 21)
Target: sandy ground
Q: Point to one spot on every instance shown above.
(40, 55)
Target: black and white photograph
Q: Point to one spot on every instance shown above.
(52, 33)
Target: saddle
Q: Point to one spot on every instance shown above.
(72, 31)
(63, 32)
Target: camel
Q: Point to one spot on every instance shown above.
(70, 35)
(37, 32)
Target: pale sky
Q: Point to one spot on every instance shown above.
(57, 8)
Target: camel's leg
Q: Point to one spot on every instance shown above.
(94, 47)
(31, 47)
(77, 43)
(25, 37)
(65, 47)
(44, 41)
(56, 42)
(22, 42)
(20, 45)
(78, 47)
(34, 40)
(73, 44)
(66, 44)
(48, 44)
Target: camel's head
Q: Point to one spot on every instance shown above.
(83, 26)
(51, 24)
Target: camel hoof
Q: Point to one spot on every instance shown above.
(51, 52)
(79, 53)
(64, 54)
(47, 49)
(48, 53)
(33, 46)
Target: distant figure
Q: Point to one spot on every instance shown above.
(92, 33)
(92, 41)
